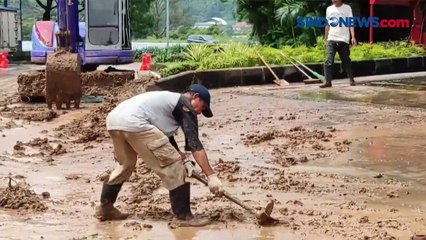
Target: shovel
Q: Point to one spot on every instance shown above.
(263, 217)
(310, 80)
(278, 81)
(317, 75)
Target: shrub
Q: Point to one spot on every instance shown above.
(162, 55)
(204, 57)
(179, 67)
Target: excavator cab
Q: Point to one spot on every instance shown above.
(107, 31)
(107, 24)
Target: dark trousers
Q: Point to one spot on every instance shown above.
(343, 49)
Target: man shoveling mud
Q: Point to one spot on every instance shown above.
(144, 126)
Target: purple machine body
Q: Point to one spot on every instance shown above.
(103, 38)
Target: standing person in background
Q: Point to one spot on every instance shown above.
(338, 38)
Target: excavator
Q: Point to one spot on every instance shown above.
(69, 48)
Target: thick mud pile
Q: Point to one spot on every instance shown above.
(32, 84)
(20, 197)
(100, 83)
(92, 126)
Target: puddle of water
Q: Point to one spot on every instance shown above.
(50, 227)
(388, 97)
(17, 134)
(415, 84)
(398, 153)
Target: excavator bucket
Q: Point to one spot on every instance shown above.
(63, 79)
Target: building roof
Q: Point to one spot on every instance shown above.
(242, 24)
(395, 2)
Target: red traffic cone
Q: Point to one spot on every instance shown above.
(4, 62)
(146, 62)
(143, 60)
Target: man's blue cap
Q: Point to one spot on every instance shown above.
(204, 94)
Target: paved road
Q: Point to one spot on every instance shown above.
(27, 45)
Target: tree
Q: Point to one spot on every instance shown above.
(157, 11)
(140, 18)
(47, 7)
(280, 29)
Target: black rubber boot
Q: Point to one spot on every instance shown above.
(326, 85)
(328, 72)
(106, 211)
(180, 201)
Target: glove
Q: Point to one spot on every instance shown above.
(190, 166)
(215, 185)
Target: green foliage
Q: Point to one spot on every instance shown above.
(242, 55)
(386, 50)
(179, 67)
(162, 55)
(140, 19)
(198, 52)
(274, 21)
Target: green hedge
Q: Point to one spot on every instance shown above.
(163, 55)
(205, 57)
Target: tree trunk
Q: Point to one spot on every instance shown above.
(46, 15)
(47, 8)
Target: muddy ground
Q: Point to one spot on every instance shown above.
(337, 168)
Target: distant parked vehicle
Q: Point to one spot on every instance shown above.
(202, 39)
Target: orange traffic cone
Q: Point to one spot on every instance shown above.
(4, 62)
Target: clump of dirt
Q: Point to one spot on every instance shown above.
(298, 144)
(227, 169)
(21, 197)
(9, 125)
(42, 144)
(222, 213)
(43, 116)
(30, 112)
(256, 138)
(286, 182)
(137, 226)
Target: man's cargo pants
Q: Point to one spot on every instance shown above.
(154, 148)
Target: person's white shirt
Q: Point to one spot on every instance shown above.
(339, 33)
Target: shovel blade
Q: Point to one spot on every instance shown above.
(281, 82)
(264, 218)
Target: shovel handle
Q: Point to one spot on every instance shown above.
(267, 65)
(319, 76)
(202, 179)
(301, 70)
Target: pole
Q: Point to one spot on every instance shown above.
(167, 23)
(5, 3)
(20, 26)
(371, 22)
